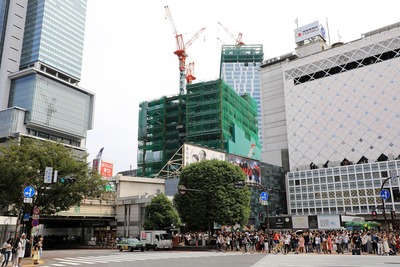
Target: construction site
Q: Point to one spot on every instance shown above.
(210, 114)
(209, 120)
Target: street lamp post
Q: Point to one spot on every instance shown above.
(263, 202)
(392, 176)
(182, 190)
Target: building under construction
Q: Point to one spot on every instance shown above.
(210, 114)
(240, 69)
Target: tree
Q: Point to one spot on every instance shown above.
(160, 214)
(217, 199)
(23, 164)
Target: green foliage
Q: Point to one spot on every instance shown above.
(160, 214)
(220, 201)
(23, 164)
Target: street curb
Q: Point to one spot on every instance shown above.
(28, 262)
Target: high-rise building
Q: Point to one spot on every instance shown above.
(341, 114)
(211, 114)
(40, 69)
(240, 69)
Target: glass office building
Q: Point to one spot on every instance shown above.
(43, 50)
(54, 34)
(240, 65)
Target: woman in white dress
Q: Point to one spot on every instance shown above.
(385, 244)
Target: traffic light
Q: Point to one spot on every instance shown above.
(374, 215)
(393, 214)
(261, 216)
(67, 180)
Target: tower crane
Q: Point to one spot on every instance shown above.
(190, 73)
(238, 39)
(181, 48)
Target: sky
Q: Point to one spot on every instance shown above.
(128, 53)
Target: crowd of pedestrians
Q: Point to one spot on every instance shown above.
(14, 249)
(299, 242)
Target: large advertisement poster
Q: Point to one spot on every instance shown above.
(300, 222)
(194, 154)
(328, 222)
(250, 167)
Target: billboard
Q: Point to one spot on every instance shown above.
(300, 222)
(309, 31)
(280, 223)
(106, 169)
(192, 153)
(250, 167)
(328, 222)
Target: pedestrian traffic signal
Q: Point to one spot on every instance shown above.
(393, 214)
(67, 180)
(374, 215)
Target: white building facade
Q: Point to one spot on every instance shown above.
(342, 117)
(343, 126)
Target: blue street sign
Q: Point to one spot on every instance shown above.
(26, 216)
(29, 191)
(264, 196)
(385, 194)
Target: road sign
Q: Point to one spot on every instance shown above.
(239, 184)
(264, 202)
(36, 210)
(48, 175)
(35, 216)
(35, 223)
(29, 191)
(264, 196)
(385, 194)
(26, 217)
(28, 200)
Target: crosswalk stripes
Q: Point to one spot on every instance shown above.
(129, 257)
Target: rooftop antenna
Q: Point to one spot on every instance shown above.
(329, 35)
(296, 21)
(339, 37)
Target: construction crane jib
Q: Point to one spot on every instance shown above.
(180, 51)
(238, 39)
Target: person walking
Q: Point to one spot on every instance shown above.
(21, 248)
(6, 250)
(15, 252)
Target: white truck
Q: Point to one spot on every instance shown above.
(156, 239)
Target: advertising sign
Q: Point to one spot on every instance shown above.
(280, 223)
(309, 31)
(300, 222)
(250, 167)
(194, 153)
(106, 169)
(328, 222)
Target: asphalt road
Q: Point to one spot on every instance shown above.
(103, 258)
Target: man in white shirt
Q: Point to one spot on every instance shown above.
(21, 248)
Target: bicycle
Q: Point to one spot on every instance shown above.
(280, 247)
(221, 248)
(248, 247)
